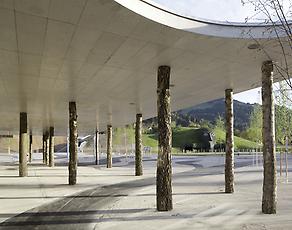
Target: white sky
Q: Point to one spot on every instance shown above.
(209, 9)
(250, 96)
(220, 10)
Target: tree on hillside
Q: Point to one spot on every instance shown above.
(205, 124)
(219, 123)
(282, 113)
(254, 131)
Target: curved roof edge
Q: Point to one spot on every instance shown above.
(211, 28)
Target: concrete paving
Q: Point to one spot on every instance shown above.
(116, 199)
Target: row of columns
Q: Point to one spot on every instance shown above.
(163, 183)
(48, 147)
(25, 146)
(164, 168)
(73, 145)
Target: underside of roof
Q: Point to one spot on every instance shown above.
(104, 55)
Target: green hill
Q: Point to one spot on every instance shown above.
(185, 135)
(239, 143)
(210, 111)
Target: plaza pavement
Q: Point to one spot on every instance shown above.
(116, 199)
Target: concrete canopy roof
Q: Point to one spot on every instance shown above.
(105, 57)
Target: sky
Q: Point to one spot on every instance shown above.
(218, 10)
(209, 9)
(251, 96)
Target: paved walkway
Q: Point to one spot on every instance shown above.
(115, 199)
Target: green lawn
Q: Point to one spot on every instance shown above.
(185, 135)
(240, 143)
(150, 140)
(180, 137)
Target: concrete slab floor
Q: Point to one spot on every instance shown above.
(116, 199)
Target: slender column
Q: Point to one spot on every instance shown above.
(281, 163)
(138, 146)
(286, 159)
(164, 171)
(72, 143)
(229, 158)
(270, 175)
(23, 145)
(44, 149)
(286, 165)
(8, 150)
(96, 147)
(51, 147)
(109, 146)
(30, 149)
(47, 148)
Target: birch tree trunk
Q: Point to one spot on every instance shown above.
(138, 146)
(72, 143)
(23, 145)
(51, 148)
(109, 146)
(229, 158)
(270, 175)
(164, 171)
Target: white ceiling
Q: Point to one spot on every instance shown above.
(105, 57)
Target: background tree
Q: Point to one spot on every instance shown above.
(277, 15)
(219, 123)
(254, 131)
(282, 113)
